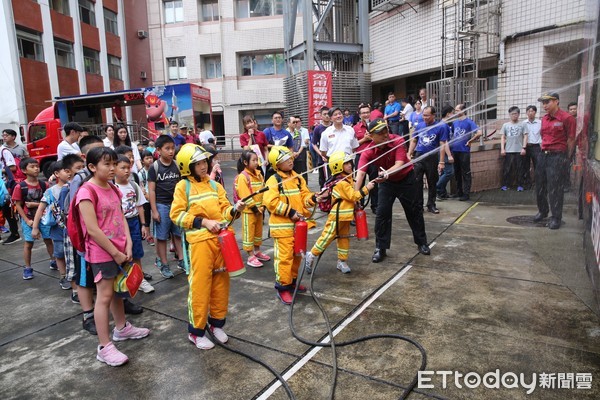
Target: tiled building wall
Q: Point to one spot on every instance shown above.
(408, 43)
(228, 37)
(543, 61)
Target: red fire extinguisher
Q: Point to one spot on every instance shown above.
(231, 253)
(362, 229)
(300, 237)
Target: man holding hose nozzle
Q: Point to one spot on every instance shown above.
(388, 153)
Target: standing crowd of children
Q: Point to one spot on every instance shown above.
(183, 196)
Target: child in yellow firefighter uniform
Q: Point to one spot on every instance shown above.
(286, 199)
(343, 198)
(250, 180)
(200, 206)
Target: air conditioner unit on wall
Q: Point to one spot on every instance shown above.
(143, 75)
(142, 34)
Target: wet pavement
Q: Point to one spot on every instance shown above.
(493, 297)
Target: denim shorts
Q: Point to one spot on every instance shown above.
(136, 237)
(166, 226)
(59, 249)
(44, 230)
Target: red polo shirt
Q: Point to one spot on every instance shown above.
(392, 152)
(359, 132)
(259, 138)
(556, 129)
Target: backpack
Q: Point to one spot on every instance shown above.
(25, 189)
(236, 196)
(327, 204)
(12, 179)
(52, 213)
(75, 222)
(3, 193)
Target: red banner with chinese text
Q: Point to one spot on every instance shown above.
(319, 94)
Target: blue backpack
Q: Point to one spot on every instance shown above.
(4, 195)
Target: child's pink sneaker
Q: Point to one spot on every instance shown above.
(110, 355)
(254, 262)
(129, 332)
(262, 256)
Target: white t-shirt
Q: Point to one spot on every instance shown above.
(333, 140)
(305, 137)
(6, 157)
(131, 200)
(534, 131)
(108, 143)
(408, 109)
(65, 148)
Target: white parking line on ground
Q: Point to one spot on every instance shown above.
(296, 367)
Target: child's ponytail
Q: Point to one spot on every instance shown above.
(243, 160)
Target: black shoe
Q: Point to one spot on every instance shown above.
(378, 256)
(74, 298)
(464, 198)
(131, 308)
(539, 217)
(147, 276)
(424, 249)
(433, 209)
(443, 196)
(90, 326)
(554, 223)
(12, 239)
(456, 195)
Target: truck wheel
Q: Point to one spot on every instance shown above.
(45, 167)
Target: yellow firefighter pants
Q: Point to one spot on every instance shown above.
(209, 290)
(329, 233)
(252, 228)
(286, 264)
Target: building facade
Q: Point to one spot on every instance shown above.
(57, 48)
(524, 48)
(232, 47)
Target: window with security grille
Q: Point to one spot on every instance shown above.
(209, 10)
(30, 45)
(177, 69)
(61, 6)
(87, 13)
(262, 64)
(212, 66)
(91, 61)
(173, 11)
(258, 8)
(64, 54)
(114, 67)
(110, 22)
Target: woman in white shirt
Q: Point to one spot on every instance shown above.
(109, 130)
(122, 139)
